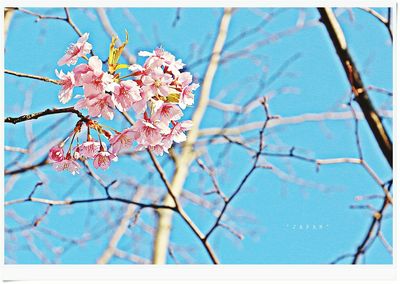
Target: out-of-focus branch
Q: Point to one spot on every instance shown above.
(161, 239)
(307, 117)
(361, 95)
(16, 149)
(119, 232)
(43, 162)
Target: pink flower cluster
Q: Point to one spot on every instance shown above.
(156, 92)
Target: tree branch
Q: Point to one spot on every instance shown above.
(36, 115)
(361, 95)
(24, 75)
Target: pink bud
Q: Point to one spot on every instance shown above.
(56, 154)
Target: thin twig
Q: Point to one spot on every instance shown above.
(24, 75)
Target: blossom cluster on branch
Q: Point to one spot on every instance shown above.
(157, 91)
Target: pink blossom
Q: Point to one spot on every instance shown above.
(136, 68)
(100, 105)
(103, 159)
(89, 149)
(177, 132)
(148, 134)
(96, 81)
(74, 51)
(157, 82)
(95, 65)
(187, 96)
(122, 140)
(164, 114)
(160, 57)
(67, 164)
(158, 150)
(141, 105)
(155, 58)
(174, 66)
(97, 105)
(79, 70)
(67, 82)
(56, 154)
(126, 93)
(184, 79)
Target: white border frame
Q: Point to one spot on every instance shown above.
(209, 272)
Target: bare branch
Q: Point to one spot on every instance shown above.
(361, 95)
(41, 78)
(26, 117)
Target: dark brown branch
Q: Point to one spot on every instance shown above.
(376, 220)
(361, 95)
(48, 111)
(71, 202)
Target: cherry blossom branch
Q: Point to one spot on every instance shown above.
(361, 95)
(24, 75)
(26, 117)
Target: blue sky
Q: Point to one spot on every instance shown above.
(280, 210)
